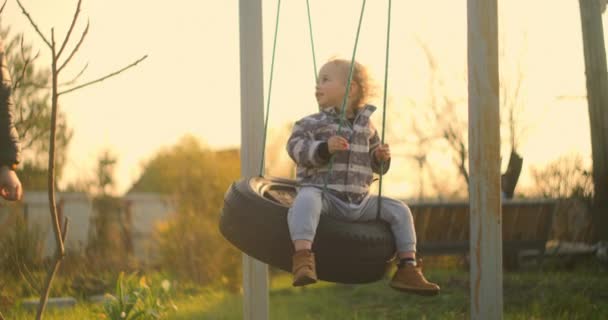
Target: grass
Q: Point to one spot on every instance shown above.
(530, 294)
(533, 294)
(81, 311)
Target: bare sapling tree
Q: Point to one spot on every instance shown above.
(512, 109)
(452, 128)
(60, 58)
(420, 155)
(418, 145)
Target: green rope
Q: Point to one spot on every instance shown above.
(388, 37)
(312, 43)
(274, 47)
(348, 85)
(345, 99)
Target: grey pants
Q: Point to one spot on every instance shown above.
(309, 204)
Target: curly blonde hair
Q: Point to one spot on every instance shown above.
(361, 78)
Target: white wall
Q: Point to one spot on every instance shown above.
(76, 206)
(147, 211)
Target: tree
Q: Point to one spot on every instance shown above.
(101, 182)
(197, 179)
(451, 127)
(33, 112)
(59, 60)
(105, 172)
(565, 177)
(419, 145)
(597, 98)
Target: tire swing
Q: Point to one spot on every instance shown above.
(254, 218)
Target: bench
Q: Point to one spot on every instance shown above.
(443, 228)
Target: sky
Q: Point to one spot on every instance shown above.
(189, 84)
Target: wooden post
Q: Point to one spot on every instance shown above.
(255, 273)
(484, 161)
(597, 99)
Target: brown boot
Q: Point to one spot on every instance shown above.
(409, 278)
(304, 270)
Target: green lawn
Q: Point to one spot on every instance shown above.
(581, 293)
(527, 295)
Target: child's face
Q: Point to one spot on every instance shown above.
(331, 86)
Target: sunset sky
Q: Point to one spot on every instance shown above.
(190, 82)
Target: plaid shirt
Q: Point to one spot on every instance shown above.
(352, 170)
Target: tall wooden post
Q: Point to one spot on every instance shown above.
(484, 161)
(255, 273)
(597, 99)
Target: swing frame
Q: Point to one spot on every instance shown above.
(484, 140)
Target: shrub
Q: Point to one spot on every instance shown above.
(190, 243)
(566, 177)
(21, 246)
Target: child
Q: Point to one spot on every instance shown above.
(358, 154)
(10, 186)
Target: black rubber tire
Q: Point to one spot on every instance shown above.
(346, 252)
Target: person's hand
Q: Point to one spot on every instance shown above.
(382, 152)
(337, 143)
(10, 186)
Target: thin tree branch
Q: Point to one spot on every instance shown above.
(67, 36)
(26, 63)
(35, 85)
(66, 224)
(84, 34)
(105, 77)
(33, 24)
(67, 83)
(1, 10)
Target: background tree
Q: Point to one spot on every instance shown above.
(565, 177)
(418, 146)
(196, 178)
(31, 93)
(447, 127)
(105, 172)
(442, 112)
(568, 179)
(103, 180)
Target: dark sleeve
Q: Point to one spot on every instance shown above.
(10, 151)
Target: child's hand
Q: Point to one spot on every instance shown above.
(10, 186)
(383, 152)
(337, 143)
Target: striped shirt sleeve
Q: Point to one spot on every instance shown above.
(302, 147)
(374, 143)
